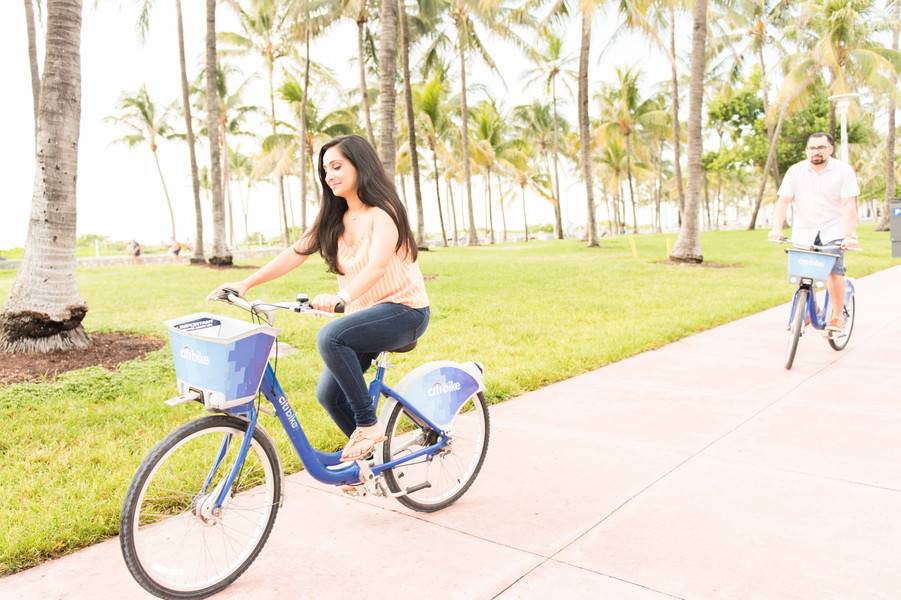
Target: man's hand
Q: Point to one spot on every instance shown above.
(774, 236)
(851, 243)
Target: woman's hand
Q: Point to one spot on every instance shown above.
(326, 302)
(238, 286)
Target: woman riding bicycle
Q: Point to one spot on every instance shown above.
(364, 236)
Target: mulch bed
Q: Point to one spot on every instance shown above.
(108, 350)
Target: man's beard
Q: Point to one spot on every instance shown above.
(817, 160)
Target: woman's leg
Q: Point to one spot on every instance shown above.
(381, 327)
(333, 400)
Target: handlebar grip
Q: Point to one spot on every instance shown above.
(339, 308)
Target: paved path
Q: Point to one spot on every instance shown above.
(700, 470)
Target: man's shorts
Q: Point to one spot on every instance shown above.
(839, 267)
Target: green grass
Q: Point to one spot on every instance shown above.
(532, 313)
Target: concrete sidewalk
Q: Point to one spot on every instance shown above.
(700, 470)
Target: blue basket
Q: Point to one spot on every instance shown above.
(804, 264)
(220, 357)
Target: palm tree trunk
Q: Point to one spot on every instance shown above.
(500, 195)
(221, 255)
(419, 216)
(156, 160)
(525, 220)
(629, 177)
(659, 191)
(688, 243)
(411, 124)
(464, 117)
(770, 156)
(707, 201)
(33, 59)
(303, 131)
(490, 212)
(584, 137)
(364, 89)
(286, 238)
(677, 142)
(885, 219)
(558, 217)
(765, 89)
(453, 209)
(197, 256)
(387, 75)
(44, 312)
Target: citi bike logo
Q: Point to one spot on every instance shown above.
(289, 414)
(194, 356)
(439, 388)
(807, 262)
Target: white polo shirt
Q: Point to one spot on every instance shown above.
(818, 199)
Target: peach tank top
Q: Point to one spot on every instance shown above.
(402, 282)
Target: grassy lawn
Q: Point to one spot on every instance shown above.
(532, 313)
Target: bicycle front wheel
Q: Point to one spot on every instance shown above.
(839, 339)
(175, 543)
(435, 481)
(797, 324)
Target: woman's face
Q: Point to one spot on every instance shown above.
(340, 174)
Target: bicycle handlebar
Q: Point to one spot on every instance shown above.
(813, 247)
(302, 305)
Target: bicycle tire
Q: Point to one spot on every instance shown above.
(141, 529)
(797, 324)
(850, 311)
(403, 433)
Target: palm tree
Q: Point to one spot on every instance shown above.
(549, 65)
(430, 101)
(497, 18)
(490, 146)
(145, 126)
(630, 115)
(267, 32)
(411, 123)
(584, 135)
(221, 254)
(143, 26)
(33, 58)
(359, 11)
(387, 77)
(44, 312)
(884, 220)
(688, 243)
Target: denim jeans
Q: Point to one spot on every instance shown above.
(348, 345)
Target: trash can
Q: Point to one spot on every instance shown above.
(895, 209)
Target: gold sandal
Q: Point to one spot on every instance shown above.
(360, 444)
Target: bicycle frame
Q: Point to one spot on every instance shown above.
(322, 466)
(817, 317)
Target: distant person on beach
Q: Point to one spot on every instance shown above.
(134, 250)
(174, 248)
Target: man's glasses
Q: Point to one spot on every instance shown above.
(817, 148)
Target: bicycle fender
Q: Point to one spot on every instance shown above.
(438, 389)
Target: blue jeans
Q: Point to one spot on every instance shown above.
(348, 345)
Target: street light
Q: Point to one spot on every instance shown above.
(842, 103)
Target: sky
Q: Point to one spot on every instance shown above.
(119, 193)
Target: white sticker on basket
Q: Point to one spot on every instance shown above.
(196, 324)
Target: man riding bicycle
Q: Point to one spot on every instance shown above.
(824, 190)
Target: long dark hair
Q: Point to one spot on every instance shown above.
(374, 189)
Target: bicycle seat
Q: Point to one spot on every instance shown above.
(406, 348)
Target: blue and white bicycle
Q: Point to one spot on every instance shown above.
(809, 268)
(202, 504)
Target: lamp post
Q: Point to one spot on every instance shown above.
(842, 104)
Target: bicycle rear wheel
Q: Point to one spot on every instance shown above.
(436, 481)
(839, 339)
(175, 544)
(796, 325)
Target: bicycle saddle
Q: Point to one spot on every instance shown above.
(406, 348)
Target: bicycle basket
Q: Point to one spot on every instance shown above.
(814, 266)
(220, 357)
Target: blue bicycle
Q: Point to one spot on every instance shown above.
(202, 504)
(809, 267)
